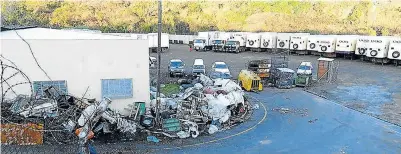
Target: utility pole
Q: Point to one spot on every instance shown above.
(159, 29)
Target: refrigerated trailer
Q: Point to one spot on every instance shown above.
(299, 43)
(268, 41)
(153, 42)
(362, 45)
(394, 51)
(346, 45)
(327, 45)
(378, 49)
(313, 44)
(253, 41)
(283, 41)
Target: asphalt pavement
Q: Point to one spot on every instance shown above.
(370, 88)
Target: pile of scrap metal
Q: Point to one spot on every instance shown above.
(61, 115)
(203, 106)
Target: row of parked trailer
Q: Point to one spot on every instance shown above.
(382, 49)
(151, 37)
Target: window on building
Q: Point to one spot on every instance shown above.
(40, 86)
(117, 88)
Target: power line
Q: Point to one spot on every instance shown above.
(33, 55)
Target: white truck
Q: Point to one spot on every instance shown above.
(268, 40)
(219, 39)
(153, 42)
(236, 42)
(203, 41)
(327, 45)
(253, 41)
(299, 43)
(378, 49)
(394, 51)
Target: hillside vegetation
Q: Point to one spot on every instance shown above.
(183, 17)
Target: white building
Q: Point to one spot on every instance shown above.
(112, 66)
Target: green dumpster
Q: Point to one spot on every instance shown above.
(303, 80)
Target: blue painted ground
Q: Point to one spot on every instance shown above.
(296, 122)
(370, 88)
(369, 97)
(326, 127)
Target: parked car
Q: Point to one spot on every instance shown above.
(176, 67)
(198, 67)
(221, 67)
(215, 75)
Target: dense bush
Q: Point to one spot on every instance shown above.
(318, 17)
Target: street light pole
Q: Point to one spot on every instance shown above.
(159, 29)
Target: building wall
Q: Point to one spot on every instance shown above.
(82, 63)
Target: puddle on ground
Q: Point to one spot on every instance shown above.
(366, 98)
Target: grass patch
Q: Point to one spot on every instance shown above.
(170, 89)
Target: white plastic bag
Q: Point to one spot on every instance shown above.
(213, 129)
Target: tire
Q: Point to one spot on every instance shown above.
(396, 54)
(265, 44)
(323, 48)
(171, 75)
(312, 46)
(281, 44)
(373, 53)
(295, 46)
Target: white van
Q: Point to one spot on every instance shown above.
(199, 67)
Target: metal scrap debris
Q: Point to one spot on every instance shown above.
(301, 112)
(206, 106)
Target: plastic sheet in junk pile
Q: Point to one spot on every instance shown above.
(227, 85)
(217, 107)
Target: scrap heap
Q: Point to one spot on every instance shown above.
(58, 117)
(204, 105)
